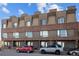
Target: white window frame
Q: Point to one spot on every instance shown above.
(27, 34)
(61, 20)
(44, 44)
(16, 35)
(30, 43)
(28, 23)
(15, 25)
(44, 33)
(4, 35)
(4, 25)
(61, 34)
(43, 22)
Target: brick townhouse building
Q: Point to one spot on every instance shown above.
(42, 29)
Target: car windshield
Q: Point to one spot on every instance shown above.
(51, 46)
(24, 46)
(77, 49)
(54, 45)
(59, 45)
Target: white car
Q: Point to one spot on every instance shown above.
(56, 48)
(74, 51)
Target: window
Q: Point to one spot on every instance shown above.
(43, 44)
(5, 43)
(43, 22)
(44, 33)
(62, 33)
(4, 25)
(30, 43)
(29, 34)
(60, 20)
(16, 35)
(4, 35)
(15, 25)
(28, 23)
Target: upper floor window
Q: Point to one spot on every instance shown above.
(29, 34)
(43, 22)
(15, 25)
(4, 35)
(28, 23)
(62, 33)
(44, 33)
(16, 35)
(61, 20)
(4, 26)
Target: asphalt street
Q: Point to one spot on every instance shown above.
(12, 52)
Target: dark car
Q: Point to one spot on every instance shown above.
(25, 49)
(74, 51)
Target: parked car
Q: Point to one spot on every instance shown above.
(56, 48)
(74, 51)
(25, 49)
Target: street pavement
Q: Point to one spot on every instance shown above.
(12, 52)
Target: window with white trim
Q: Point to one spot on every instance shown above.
(44, 33)
(30, 43)
(43, 44)
(4, 25)
(61, 20)
(15, 25)
(43, 22)
(62, 33)
(29, 34)
(28, 23)
(16, 35)
(4, 35)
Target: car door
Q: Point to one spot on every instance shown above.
(77, 51)
(51, 48)
(24, 48)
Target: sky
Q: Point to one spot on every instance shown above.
(16, 9)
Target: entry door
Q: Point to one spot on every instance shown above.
(14, 43)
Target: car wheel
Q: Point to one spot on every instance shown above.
(31, 51)
(43, 51)
(18, 51)
(28, 51)
(74, 53)
(57, 52)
